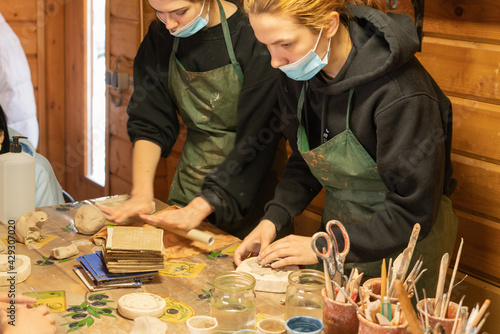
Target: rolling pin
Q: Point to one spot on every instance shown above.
(193, 234)
(408, 310)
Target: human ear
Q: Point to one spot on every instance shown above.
(333, 26)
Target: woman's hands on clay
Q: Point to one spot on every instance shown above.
(135, 206)
(292, 249)
(261, 236)
(186, 218)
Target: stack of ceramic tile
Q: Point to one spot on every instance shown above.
(131, 249)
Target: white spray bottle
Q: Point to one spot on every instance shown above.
(17, 183)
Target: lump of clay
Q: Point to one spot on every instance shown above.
(64, 252)
(134, 305)
(29, 226)
(89, 219)
(267, 279)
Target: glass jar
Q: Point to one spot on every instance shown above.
(232, 301)
(303, 294)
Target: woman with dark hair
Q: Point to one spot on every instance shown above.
(200, 61)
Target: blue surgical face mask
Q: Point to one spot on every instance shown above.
(192, 27)
(308, 66)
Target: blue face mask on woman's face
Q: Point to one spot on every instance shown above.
(192, 27)
(308, 66)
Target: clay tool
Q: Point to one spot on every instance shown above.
(440, 286)
(455, 323)
(448, 295)
(349, 299)
(328, 280)
(408, 310)
(402, 262)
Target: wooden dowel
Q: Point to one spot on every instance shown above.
(193, 234)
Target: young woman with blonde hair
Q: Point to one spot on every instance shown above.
(367, 123)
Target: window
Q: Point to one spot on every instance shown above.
(96, 92)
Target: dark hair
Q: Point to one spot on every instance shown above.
(5, 129)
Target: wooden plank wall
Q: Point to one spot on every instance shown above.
(461, 50)
(39, 23)
(125, 35)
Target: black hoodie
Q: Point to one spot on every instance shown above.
(399, 115)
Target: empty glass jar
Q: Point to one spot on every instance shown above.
(232, 301)
(303, 295)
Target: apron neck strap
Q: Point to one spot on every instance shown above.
(229, 43)
(227, 40)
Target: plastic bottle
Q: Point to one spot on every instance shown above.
(17, 183)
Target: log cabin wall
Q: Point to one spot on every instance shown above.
(461, 50)
(39, 26)
(129, 21)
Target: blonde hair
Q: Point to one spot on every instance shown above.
(313, 14)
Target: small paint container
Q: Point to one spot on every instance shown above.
(447, 322)
(246, 331)
(271, 326)
(201, 324)
(338, 318)
(303, 325)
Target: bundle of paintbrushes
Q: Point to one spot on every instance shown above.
(439, 314)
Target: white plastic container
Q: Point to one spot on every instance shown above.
(17, 183)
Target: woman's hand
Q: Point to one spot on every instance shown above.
(37, 320)
(258, 239)
(292, 249)
(186, 218)
(135, 206)
(19, 300)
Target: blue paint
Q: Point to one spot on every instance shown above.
(303, 324)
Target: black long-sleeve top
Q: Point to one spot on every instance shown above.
(153, 117)
(399, 115)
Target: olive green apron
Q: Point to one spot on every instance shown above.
(355, 191)
(207, 103)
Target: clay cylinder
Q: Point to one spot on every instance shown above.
(338, 318)
(372, 287)
(368, 327)
(448, 320)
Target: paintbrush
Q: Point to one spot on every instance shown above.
(448, 295)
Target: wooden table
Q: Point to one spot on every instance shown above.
(60, 276)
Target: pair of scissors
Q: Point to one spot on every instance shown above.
(332, 257)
